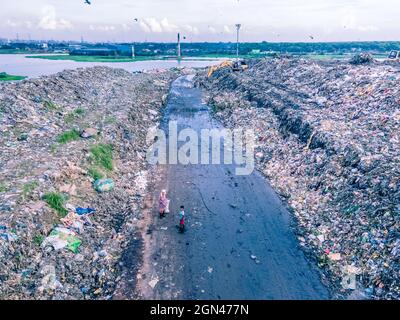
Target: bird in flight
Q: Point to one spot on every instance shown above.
(136, 19)
(88, 2)
(311, 37)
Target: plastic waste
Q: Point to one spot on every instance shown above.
(104, 185)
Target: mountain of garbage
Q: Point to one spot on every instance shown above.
(72, 178)
(328, 137)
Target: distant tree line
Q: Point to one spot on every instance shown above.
(226, 48)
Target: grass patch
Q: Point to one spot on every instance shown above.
(68, 136)
(50, 105)
(95, 173)
(72, 116)
(38, 239)
(110, 120)
(3, 188)
(7, 77)
(102, 155)
(28, 188)
(56, 202)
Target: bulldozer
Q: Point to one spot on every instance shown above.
(239, 65)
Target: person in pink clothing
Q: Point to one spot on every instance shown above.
(163, 203)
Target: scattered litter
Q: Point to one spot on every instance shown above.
(83, 211)
(327, 138)
(89, 244)
(61, 237)
(153, 283)
(104, 185)
(89, 133)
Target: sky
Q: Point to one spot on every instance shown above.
(201, 20)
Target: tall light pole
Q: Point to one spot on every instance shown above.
(238, 26)
(179, 46)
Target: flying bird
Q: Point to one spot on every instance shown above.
(136, 19)
(88, 2)
(311, 37)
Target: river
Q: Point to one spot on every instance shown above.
(20, 65)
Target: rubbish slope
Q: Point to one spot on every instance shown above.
(60, 136)
(328, 140)
(238, 244)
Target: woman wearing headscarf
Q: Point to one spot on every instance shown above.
(163, 203)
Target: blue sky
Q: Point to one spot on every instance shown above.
(201, 20)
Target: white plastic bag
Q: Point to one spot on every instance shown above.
(167, 207)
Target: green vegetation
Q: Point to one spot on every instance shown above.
(95, 58)
(95, 173)
(3, 187)
(6, 77)
(102, 155)
(68, 136)
(50, 105)
(56, 202)
(110, 120)
(28, 188)
(72, 116)
(18, 51)
(38, 239)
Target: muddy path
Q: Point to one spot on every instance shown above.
(239, 242)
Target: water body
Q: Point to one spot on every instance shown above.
(18, 64)
(239, 242)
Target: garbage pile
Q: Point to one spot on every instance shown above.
(72, 178)
(362, 58)
(328, 137)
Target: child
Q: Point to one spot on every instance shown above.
(182, 219)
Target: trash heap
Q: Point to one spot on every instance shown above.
(328, 137)
(72, 178)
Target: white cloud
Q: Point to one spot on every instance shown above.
(167, 26)
(49, 20)
(164, 26)
(17, 24)
(191, 29)
(103, 28)
(351, 22)
(151, 25)
(227, 29)
(212, 30)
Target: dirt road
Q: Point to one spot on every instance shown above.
(238, 244)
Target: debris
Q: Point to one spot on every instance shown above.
(89, 133)
(335, 256)
(153, 283)
(327, 139)
(83, 211)
(60, 238)
(114, 102)
(104, 185)
(362, 58)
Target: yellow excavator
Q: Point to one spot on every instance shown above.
(239, 65)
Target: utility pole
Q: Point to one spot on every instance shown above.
(238, 26)
(179, 46)
(133, 51)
